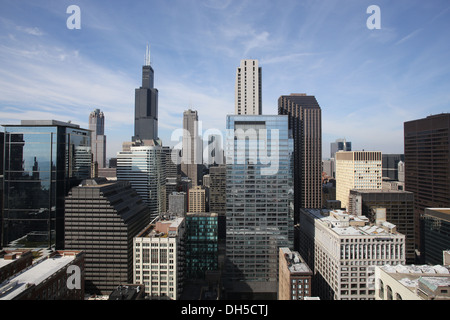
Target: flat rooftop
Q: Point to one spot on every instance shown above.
(35, 274)
(336, 221)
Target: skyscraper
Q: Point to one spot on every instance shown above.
(43, 160)
(305, 121)
(102, 217)
(146, 105)
(357, 170)
(192, 153)
(144, 167)
(98, 138)
(427, 164)
(248, 90)
(259, 202)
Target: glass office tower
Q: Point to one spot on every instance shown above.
(43, 160)
(259, 200)
(143, 167)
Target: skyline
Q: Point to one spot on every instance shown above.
(367, 82)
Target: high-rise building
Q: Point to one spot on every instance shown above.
(217, 196)
(294, 276)
(43, 160)
(342, 250)
(178, 203)
(159, 258)
(192, 153)
(427, 164)
(146, 105)
(98, 138)
(339, 145)
(197, 199)
(102, 217)
(202, 250)
(259, 202)
(248, 89)
(305, 121)
(399, 207)
(436, 234)
(143, 166)
(357, 170)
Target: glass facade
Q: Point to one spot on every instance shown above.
(259, 196)
(41, 164)
(143, 167)
(201, 244)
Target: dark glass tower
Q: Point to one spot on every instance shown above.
(43, 160)
(305, 121)
(146, 105)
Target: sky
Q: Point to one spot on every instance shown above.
(368, 82)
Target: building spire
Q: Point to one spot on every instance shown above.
(147, 56)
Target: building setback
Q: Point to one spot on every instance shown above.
(427, 165)
(102, 217)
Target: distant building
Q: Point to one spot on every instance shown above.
(217, 196)
(192, 148)
(248, 88)
(412, 282)
(339, 145)
(146, 105)
(399, 208)
(436, 234)
(357, 170)
(342, 250)
(98, 138)
(197, 199)
(102, 217)
(43, 160)
(390, 165)
(51, 278)
(201, 244)
(178, 203)
(159, 258)
(294, 276)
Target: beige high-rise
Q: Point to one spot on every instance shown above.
(357, 170)
(248, 93)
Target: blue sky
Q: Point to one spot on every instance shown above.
(368, 82)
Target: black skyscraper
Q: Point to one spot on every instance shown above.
(146, 105)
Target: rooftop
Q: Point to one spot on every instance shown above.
(35, 274)
(295, 262)
(345, 224)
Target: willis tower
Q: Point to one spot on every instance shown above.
(146, 105)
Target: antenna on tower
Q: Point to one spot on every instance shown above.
(147, 55)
